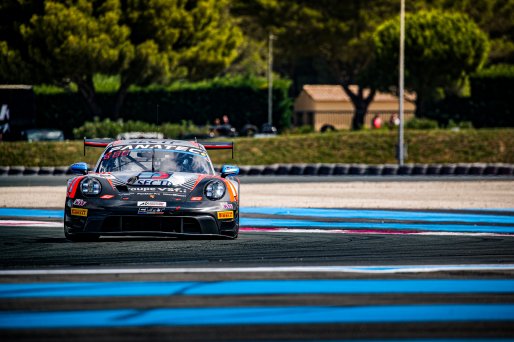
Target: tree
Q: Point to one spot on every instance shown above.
(141, 41)
(441, 48)
(494, 17)
(331, 36)
(14, 67)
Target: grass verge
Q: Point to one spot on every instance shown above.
(368, 147)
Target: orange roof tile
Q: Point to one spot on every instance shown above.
(329, 93)
(326, 92)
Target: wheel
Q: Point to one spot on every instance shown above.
(327, 128)
(80, 237)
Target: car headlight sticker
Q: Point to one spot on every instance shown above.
(90, 187)
(215, 190)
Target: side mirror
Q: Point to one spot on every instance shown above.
(229, 170)
(79, 168)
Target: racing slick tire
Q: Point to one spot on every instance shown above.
(80, 237)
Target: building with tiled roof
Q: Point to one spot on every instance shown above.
(329, 105)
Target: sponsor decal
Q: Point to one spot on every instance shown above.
(151, 196)
(79, 212)
(173, 197)
(151, 204)
(196, 198)
(146, 145)
(226, 205)
(151, 211)
(79, 202)
(105, 175)
(154, 175)
(177, 191)
(115, 154)
(225, 215)
(152, 182)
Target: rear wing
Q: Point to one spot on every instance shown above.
(96, 143)
(214, 145)
(209, 145)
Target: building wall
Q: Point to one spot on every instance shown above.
(339, 114)
(338, 119)
(390, 106)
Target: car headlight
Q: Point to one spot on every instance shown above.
(215, 190)
(90, 187)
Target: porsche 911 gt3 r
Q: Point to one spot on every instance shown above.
(152, 187)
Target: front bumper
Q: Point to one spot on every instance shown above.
(123, 219)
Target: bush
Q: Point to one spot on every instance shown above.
(305, 129)
(421, 123)
(110, 129)
(491, 102)
(243, 100)
(461, 125)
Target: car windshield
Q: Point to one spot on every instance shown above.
(154, 160)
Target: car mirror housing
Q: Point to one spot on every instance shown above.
(229, 170)
(79, 168)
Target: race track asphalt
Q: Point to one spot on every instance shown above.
(432, 275)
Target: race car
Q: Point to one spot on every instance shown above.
(153, 188)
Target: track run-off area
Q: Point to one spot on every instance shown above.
(294, 273)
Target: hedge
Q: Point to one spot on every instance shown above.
(491, 103)
(243, 101)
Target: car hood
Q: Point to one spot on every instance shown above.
(176, 184)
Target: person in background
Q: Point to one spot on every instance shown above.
(376, 122)
(394, 121)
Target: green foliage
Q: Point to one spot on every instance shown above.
(421, 123)
(305, 129)
(459, 125)
(494, 17)
(244, 100)
(110, 129)
(324, 41)
(441, 49)
(135, 41)
(372, 147)
(496, 71)
(106, 83)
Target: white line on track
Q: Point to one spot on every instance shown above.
(366, 231)
(49, 224)
(26, 223)
(378, 269)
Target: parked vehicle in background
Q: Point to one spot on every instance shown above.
(139, 135)
(225, 130)
(42, 135)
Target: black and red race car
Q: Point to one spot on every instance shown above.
(152, 187)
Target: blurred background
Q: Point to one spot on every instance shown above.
(317, 78)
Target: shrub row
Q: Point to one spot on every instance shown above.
(243, 102)
(491, 103)
(110, 128)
